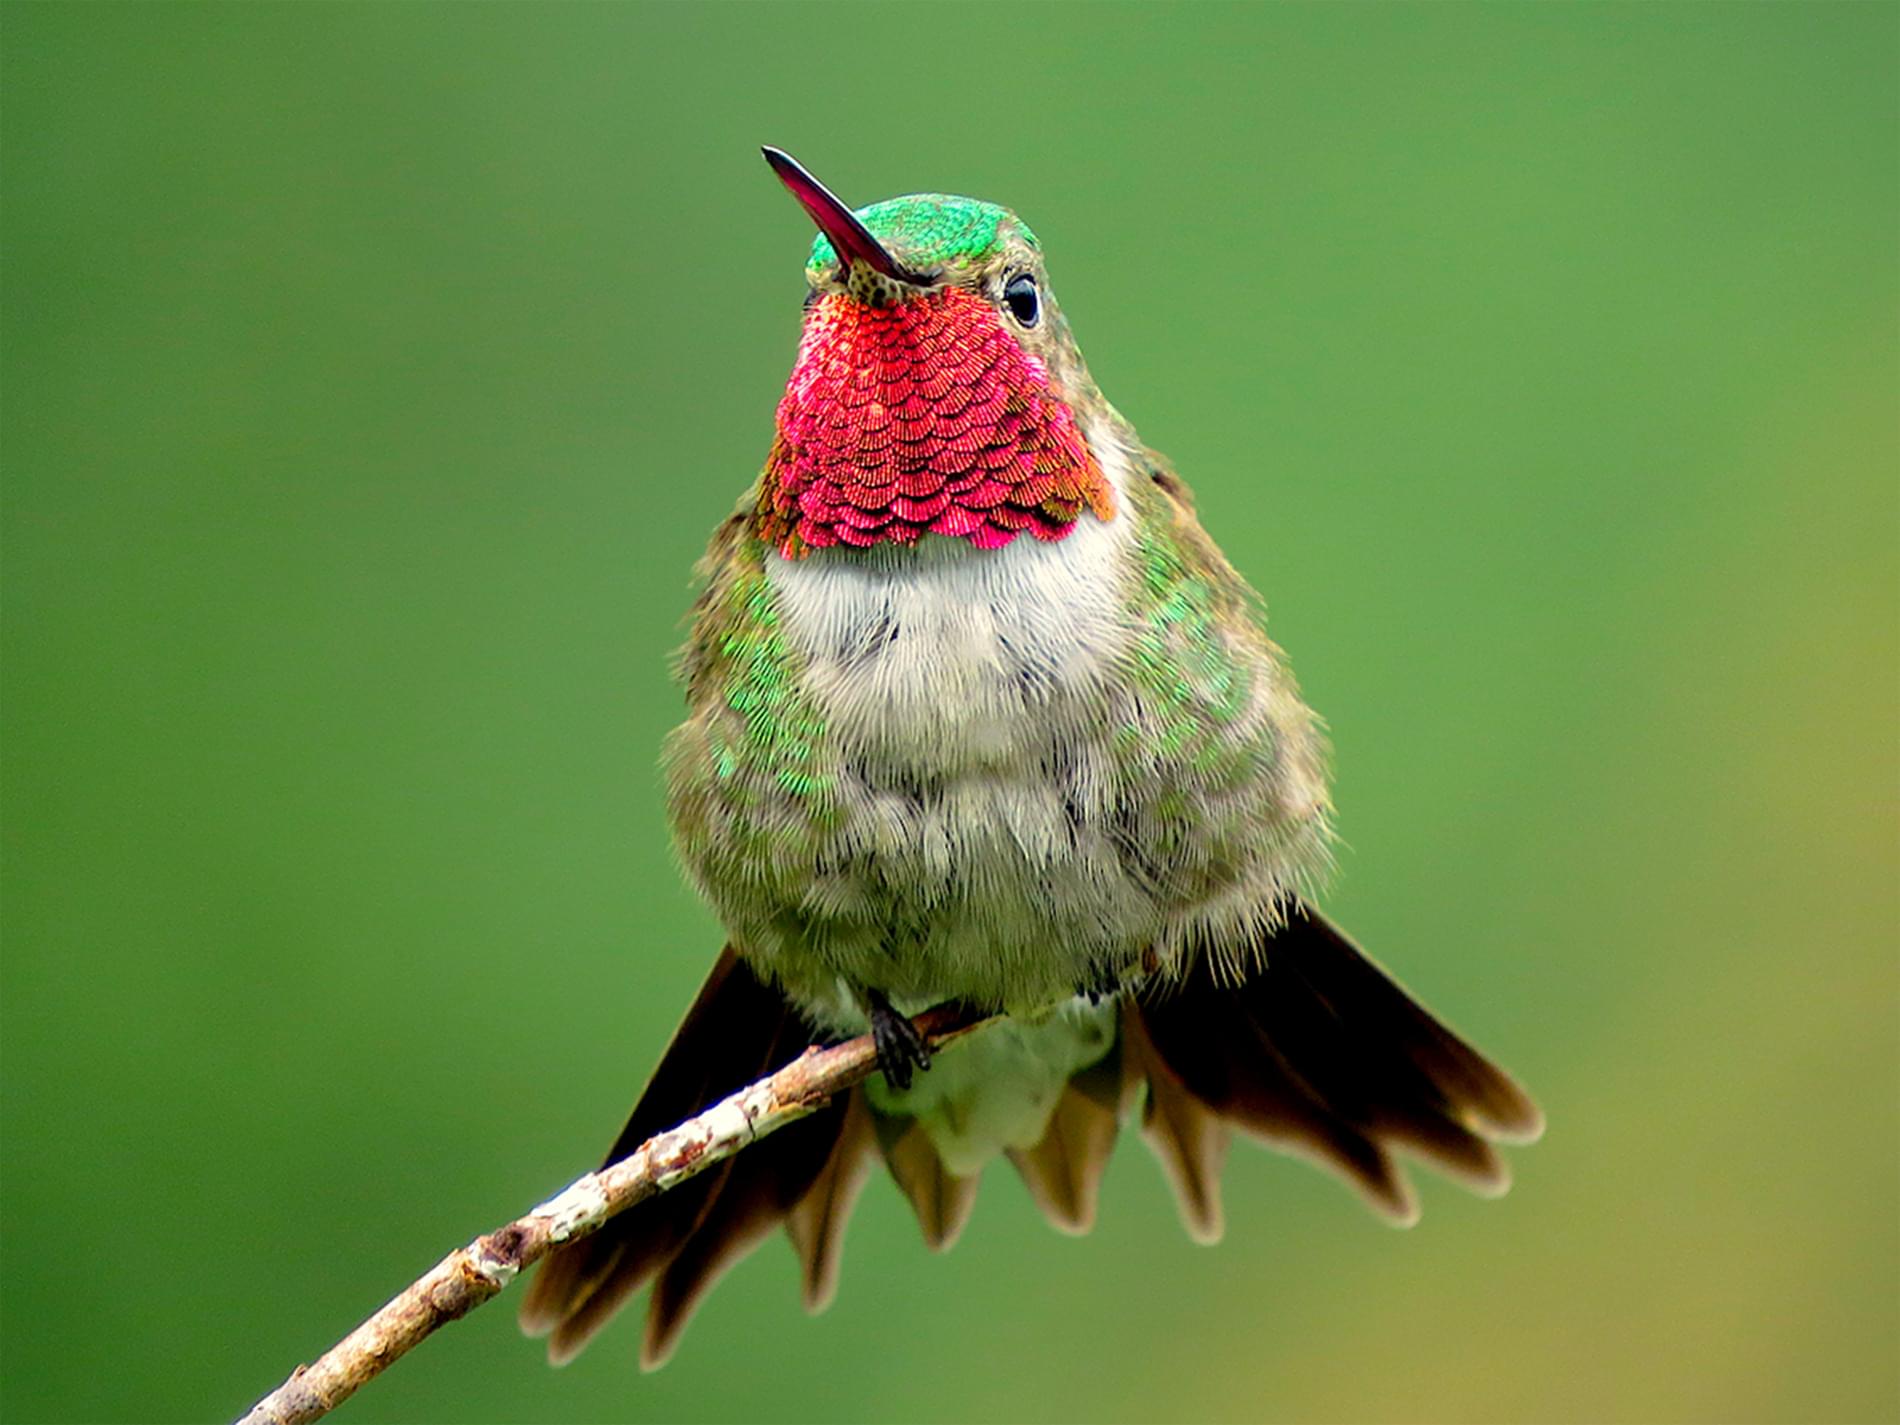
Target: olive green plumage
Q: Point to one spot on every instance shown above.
(1068, 777)
(754, 775)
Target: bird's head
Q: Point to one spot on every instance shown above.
(937, 389)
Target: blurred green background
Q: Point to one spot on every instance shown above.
(373, 376)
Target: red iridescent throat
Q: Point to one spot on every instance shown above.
(925, 415)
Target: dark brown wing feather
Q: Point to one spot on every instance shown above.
(766, 1184)
(1378, 1014)
(1202, 1032)
(736, 1030)
(1321, 1053)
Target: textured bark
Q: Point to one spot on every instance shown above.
(470, 1275)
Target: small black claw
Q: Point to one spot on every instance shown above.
(1104, 984)
(899, 1046)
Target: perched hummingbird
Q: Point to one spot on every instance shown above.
(979, 713)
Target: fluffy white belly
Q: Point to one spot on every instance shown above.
(970, 694)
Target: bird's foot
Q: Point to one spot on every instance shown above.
(900, 1048)
(1105, 984)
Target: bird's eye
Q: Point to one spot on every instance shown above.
(1022, 299)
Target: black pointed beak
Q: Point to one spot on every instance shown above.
(850, 239)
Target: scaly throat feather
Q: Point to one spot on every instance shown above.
(922, 416)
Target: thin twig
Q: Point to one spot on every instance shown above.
(470, 1275)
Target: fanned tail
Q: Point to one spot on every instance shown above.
(1316, 1051)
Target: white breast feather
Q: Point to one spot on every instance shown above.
(927, 651)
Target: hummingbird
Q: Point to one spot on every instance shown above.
(979, 713)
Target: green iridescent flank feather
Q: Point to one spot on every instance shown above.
(1198, 684)
(750, 787)
(782, 729)
(931, 230)
(1196, 661)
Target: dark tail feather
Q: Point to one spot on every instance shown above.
(817, 1224)
(1064, 1171)
(941, 1199)
(1321, 1053)
(737, 1030)
(1187, 1136)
